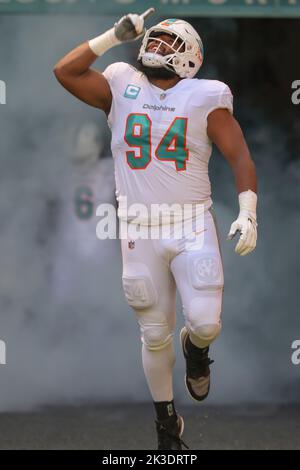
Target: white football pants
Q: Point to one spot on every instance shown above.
(152, 269)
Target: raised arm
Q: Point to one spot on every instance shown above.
(74, 73)
(74, 70)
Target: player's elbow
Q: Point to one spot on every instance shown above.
(58, 71)
(62, 76)
(62, 70)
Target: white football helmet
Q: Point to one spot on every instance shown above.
(187, 48)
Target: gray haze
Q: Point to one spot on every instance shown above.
(70, 336)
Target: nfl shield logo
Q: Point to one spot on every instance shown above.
(131, 244)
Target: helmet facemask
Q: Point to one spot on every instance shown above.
(155, 63)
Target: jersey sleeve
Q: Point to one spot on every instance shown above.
(117, 75)
(110, 71)
(218, 96)
(114, 74)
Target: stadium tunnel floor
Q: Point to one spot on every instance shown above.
(113, 427)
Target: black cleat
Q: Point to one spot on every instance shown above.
(169, 432)
(197, 377)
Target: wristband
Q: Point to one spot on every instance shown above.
(104, 42)
(248, 202)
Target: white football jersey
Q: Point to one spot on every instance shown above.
(159, 143)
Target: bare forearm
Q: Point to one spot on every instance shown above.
(245, 174)
(76, 62)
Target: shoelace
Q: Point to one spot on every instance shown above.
(197, 364)
(163, 433)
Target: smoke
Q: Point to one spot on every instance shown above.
(63, 315)
(70, 336)
(260, 318)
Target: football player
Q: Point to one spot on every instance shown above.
(163, 123)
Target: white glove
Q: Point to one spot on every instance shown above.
(245, 223)
(131, 26)
(128, 28)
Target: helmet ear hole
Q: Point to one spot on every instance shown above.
(191, 64)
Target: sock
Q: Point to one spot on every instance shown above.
(164, 409)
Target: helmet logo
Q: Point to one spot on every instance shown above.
(169, 22)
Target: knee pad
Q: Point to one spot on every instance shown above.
(156, 336)
(207, 333)
(204, 310)
(138, 286)
(203, 335)
(202, 316)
